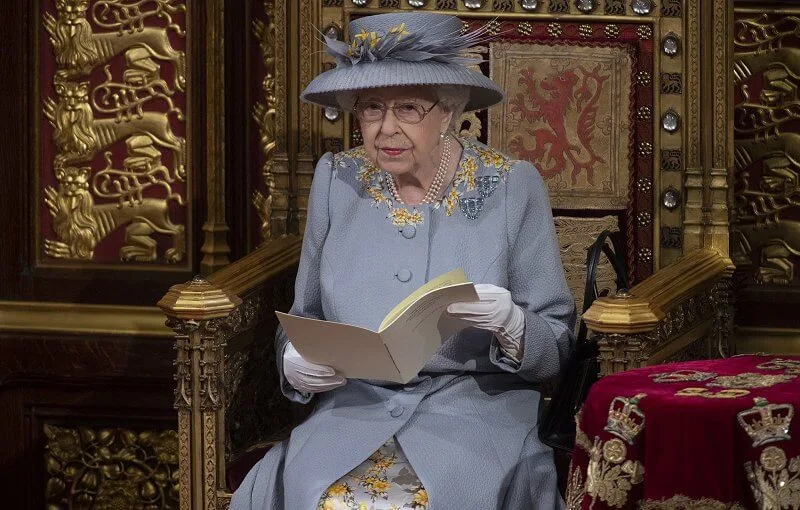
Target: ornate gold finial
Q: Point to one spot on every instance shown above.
(765, 422)
(198, 300)
(625, 420)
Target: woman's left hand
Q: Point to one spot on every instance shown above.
(495, 312)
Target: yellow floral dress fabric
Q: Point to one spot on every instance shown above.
(385, 481)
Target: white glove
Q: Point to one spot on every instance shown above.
(497, 313)
(307, 377)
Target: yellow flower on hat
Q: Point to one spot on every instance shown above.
(398, 30)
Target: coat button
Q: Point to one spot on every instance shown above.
(397, 411)
(409, 231)
(403, 275)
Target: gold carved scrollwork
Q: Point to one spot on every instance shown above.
(107, 469)
(264, 116)
(137, 108)
(767, 197)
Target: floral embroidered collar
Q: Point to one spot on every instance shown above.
(467, 191)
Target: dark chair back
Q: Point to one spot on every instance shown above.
(557, 421)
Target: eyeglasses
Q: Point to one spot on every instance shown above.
(407, 113)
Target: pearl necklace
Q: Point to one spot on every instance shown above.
(436, 185)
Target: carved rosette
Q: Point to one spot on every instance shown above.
(114, 105)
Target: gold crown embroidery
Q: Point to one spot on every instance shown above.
(706, 393)
(791, 366)
(625, 419)
(750, 380)
(766, 423)
(682, 376)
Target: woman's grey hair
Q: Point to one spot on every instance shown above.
(452, 98)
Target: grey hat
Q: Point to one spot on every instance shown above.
(403, 49)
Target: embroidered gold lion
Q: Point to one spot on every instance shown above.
(80, 224)
(78, 50)
(79, 136)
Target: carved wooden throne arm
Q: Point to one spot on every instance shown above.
(682, 311)
(205, 314)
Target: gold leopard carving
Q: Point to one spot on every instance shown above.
(80, 224)
(767, 154)
(765, 233)
(78, 50)
(79, 136)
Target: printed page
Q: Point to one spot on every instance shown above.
(453, 277)
(354, 352)
(414, 336)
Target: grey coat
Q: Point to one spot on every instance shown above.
(467, 423)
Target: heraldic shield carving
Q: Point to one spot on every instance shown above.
(114, 86)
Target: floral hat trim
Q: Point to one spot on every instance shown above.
(400, 44)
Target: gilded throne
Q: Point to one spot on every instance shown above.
(606, 97)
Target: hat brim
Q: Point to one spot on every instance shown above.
(322, 90)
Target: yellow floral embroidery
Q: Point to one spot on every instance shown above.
(403, 217)
(374, 184)
(466, 173)
(450, 201)
(491, 157)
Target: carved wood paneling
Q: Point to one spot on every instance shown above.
(84, 387)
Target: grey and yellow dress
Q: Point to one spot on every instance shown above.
(462, 434)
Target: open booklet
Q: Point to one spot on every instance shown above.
(407, 338)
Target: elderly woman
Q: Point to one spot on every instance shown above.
(410, 204)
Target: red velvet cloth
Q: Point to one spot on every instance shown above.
(691, 451)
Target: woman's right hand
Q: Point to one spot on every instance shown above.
(307, 377)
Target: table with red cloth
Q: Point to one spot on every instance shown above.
(713, 434)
